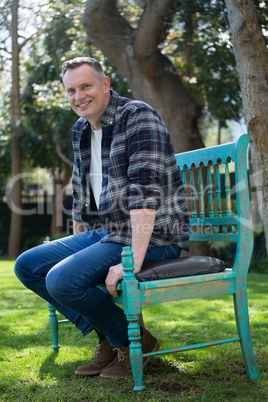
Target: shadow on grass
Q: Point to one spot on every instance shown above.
(49, 365)
(156, 366)
(20, 342)
(175, 378)
(158, 374)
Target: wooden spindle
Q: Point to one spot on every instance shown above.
(218, 189)
(228, 190)
(193, 193)
(201, 193)
(210, 192)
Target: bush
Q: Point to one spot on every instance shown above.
(226, 250)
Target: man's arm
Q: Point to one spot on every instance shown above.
(142, 224)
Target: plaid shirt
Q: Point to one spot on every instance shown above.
(139, 170)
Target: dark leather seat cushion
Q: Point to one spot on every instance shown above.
(177, 267)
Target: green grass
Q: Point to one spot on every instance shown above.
(31, 371)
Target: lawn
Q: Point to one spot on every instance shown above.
(31, 371)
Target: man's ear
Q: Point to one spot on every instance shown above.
(107, 84)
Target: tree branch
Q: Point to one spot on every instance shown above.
(21, 45)
(5, 50)
(62, 156)
(154, 24)
(117, 32)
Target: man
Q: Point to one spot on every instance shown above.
(126, 191)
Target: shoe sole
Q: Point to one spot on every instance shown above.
(91, 374)
(87, 374)
(107, 376)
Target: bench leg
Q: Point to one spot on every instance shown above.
(132, 309)
(136, 357)
(54, 327)
(243, 328)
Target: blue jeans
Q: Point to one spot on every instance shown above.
(65, 273)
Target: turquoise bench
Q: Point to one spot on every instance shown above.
(206, 177)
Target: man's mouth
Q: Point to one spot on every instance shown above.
(84, 104)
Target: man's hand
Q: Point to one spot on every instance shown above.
(142, 223)
(115, 274)
(77, 227)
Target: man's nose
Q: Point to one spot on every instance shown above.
(79, 94)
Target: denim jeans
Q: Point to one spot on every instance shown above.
(65, 273)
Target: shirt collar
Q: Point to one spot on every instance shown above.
(108, 116)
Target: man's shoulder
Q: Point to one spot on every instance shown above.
(80, 123)
(127, 106)
(127, 103)
(78, 126)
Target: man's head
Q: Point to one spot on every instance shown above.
(87, 87)
(79, 61)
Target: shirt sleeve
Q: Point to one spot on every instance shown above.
(76, 187)
(76, 181)
(147, 142)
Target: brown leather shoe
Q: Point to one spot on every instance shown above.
(104, 354)
(121, 367)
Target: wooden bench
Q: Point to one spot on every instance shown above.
(212, 218)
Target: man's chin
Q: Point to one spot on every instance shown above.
(82, 113)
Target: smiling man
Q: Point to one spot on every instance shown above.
(127, 190)
(88, 92)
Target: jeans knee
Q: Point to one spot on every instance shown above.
(51, 284)
(58, 286)
(21, 269)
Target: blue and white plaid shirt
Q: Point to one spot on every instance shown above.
(139, 171)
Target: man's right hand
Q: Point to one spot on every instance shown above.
(77, 227)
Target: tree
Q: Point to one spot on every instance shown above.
(16, 217)
(10, 26)
(252, 67)
(134, 50)
(47, 118)
(199, 47)
(46, 130)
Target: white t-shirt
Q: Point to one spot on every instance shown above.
(95, 165)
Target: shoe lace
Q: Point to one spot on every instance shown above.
(121, 355)
(96, 351)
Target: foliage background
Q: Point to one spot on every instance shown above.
(197, 43)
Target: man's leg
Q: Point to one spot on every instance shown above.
(33, 265)
(73, 281)
(73, 284)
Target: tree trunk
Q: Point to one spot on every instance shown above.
(14, 242)
(252, 66)
(150, 75)
(219, 133)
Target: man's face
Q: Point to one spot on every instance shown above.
(88, 93)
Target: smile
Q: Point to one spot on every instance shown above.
(84, 104)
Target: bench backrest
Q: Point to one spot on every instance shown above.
(213, 216)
